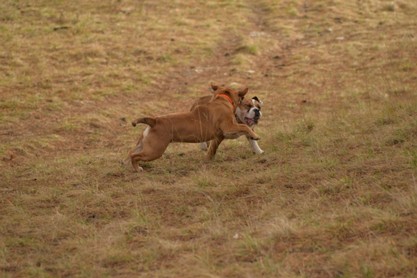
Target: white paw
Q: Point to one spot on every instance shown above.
(203, 146)
(259, 151)
(255, 147)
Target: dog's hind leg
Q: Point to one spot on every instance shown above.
(148, 149)
(139, 144)
(136, 167)
(144, 155)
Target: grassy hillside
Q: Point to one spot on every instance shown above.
(334, 195)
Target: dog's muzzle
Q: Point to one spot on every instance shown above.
(257, 115)
(254, 116)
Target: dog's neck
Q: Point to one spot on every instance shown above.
(229, 99)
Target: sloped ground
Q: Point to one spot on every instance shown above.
(335, 193)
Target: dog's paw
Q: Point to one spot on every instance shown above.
(203, 146)
(137, 168)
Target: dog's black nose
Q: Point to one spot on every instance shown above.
(257, 113)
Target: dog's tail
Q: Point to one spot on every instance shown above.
(146, 120)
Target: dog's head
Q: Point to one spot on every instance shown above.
(236, 96)
(249, 111)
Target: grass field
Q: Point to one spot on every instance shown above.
(334, 194)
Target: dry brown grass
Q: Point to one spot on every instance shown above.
(334, 195)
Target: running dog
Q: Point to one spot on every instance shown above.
(247, 112)
(212, 121)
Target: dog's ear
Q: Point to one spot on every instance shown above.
(243, 92)
(258, 101)
(213, 87)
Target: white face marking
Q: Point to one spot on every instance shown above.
(251, 113)
(260, 103)
(247, 116)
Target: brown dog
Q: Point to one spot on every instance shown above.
(247, 112)
(214, 121)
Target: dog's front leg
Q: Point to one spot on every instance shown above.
(204, 146)
(235, 130)
(214, 144)
(254, 145)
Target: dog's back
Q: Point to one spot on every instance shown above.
(200, 101)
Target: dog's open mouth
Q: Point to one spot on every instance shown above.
(250, 121)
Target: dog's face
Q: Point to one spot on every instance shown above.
(249, 111)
